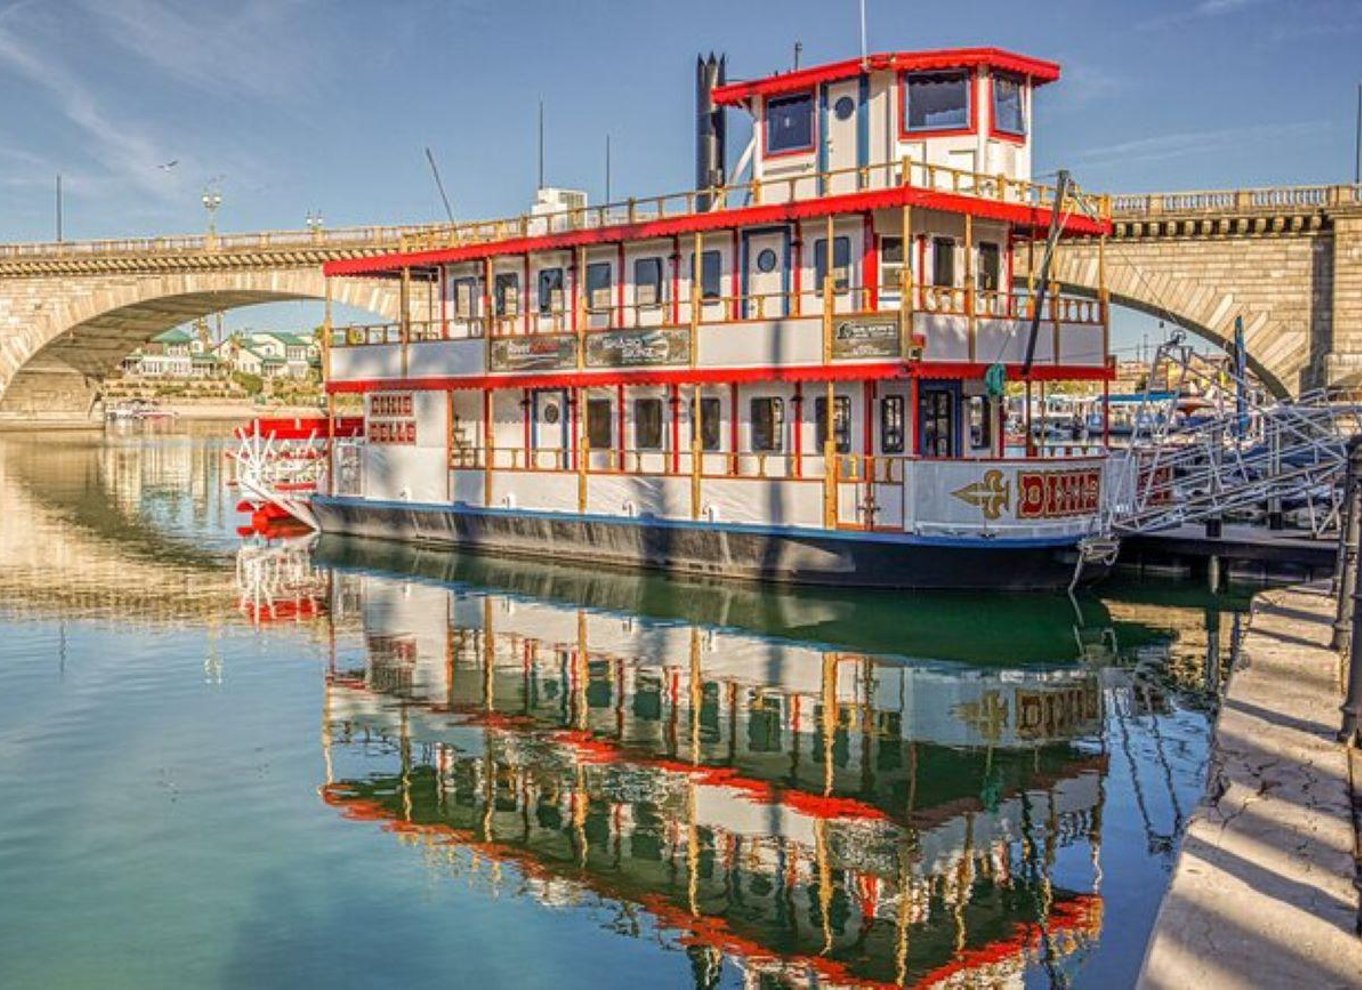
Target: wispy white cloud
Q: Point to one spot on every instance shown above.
(1200, 11)
(254, 48)
(1189, 144)
(120, 143)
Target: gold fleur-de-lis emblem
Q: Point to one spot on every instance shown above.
(992, 494)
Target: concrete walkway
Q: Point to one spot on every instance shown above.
(1264, 894)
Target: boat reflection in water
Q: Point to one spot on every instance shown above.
(800, 809)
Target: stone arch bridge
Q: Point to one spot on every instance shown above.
(1286, 260)
(70, 312)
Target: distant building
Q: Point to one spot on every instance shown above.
(178, 353)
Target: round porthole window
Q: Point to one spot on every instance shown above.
(766, 260)
(844, 108)
(551, 413)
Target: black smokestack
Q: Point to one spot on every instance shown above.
(709, 127)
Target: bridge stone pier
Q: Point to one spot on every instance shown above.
(1286, 260)
(69, 313)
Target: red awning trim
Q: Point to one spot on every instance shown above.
(747, 216)
(1039, 372)
(642, 376)
(723, 376)
(1037, 70)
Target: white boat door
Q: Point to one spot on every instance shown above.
(767, 254)
(550, 423)
(841, 119)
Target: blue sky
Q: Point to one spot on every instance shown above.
(301, 105)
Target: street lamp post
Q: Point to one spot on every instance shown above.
(212, 200)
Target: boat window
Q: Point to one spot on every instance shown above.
(598, 283)
(506, 293)
(764, 723)
(789, 123)
(465, 294)
(892, 266)
(599, 424)
(980, 422)
(648, 281)
(936, 411)
(943, 261)
(841, 262)
(711, 274)
(891, 424)
(710, 423)
(550, 291)
(938, 101)
(768, 424)
(1007, 106)
(767, 260)
(648, 424)
(841, 422)
(990, 267)
(844, 108)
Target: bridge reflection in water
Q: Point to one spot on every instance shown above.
(794, 807)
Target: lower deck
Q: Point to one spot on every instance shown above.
(773, 479)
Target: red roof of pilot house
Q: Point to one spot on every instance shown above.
(1037, 70)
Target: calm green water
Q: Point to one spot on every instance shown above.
(230, 761)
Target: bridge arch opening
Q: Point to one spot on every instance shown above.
(73, 347)
(1128, 308)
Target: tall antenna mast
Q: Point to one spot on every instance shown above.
(607, 168)
(541, 144)
(435, 171)
(863, 51)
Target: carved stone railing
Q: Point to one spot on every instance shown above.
(1227, 201)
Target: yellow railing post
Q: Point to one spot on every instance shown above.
(404, 294)
(584, 450)
(973, 322)
(696, 450)
(696, 277)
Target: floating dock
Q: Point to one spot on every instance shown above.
(1242, 553)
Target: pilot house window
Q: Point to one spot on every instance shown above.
(938, 101)
(789, 123)
(1007, 106)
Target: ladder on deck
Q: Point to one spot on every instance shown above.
(1247, 451)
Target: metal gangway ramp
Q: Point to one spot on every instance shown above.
(1245, 451)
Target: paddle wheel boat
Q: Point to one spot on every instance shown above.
(795, 372)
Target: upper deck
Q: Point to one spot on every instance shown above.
(875, 228)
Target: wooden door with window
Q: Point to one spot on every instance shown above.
(766, 275)
(842, 122)
(937, 431)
